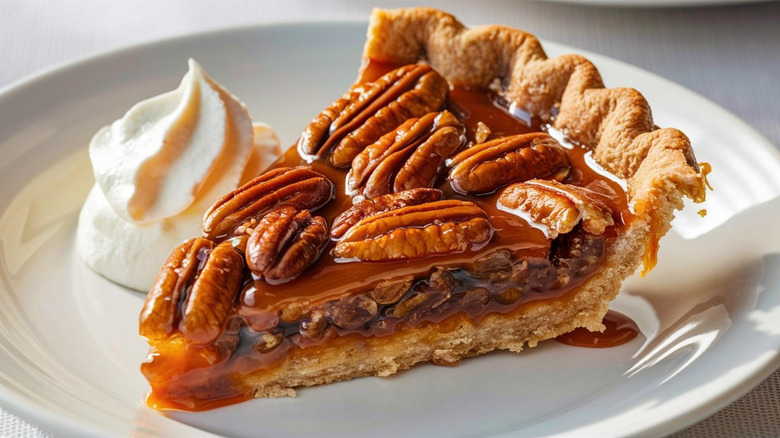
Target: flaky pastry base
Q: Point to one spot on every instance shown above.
(616, 124)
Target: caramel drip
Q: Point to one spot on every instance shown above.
(619, 329)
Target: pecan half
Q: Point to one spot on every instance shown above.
(299, 187)
(508, 295)
(268, 342)
(443, 280)
(486, 167)
(368, 207)
(200, 277)
(495, 267)
(419, 303)
(390, 291)
(284, 243)
(560, 207)
(368, 111)
(577, 250)
(409, 157)
(314, 325)
(352, 312)
(433, 228)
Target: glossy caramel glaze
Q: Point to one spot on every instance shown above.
(619, 329)
(334, 278)
(188, 378)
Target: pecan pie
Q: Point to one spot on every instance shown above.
(444, 207)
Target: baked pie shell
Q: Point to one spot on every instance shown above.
(616, 124)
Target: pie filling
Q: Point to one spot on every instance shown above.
(343, 297)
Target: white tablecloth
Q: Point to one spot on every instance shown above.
(729, 54)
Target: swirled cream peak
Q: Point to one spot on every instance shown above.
(155, 161)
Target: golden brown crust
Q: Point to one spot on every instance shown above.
(616, 124)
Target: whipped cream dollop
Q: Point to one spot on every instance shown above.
(159, 168)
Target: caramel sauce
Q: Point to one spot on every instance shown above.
(619, 330)
(199, 382)
(650, 256)
(329, 278)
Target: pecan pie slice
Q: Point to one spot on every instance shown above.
(429, 214)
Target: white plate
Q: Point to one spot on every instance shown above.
(69, 353)
(656, 3)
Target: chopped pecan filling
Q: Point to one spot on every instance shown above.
(434, 210)
(495, 282)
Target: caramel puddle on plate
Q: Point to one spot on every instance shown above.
(619, 330)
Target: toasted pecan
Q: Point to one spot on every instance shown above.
(370, 110)
(193, 293)
(368, 207)
(300, 187)
(560, 207)
(284, 243)
(409, 157)
(433, 228)
(486, 167)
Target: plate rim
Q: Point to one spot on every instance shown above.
(53, 421)
(75, 61)
(655, 4)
